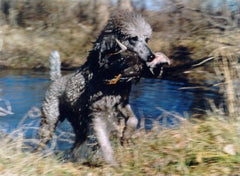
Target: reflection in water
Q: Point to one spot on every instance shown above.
(149, 98)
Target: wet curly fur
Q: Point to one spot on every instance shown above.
(85, 98)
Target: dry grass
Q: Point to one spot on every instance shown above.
(208, 147)
(191, 149)
(71, 26)
(31, 30)
(30, 49)
(227, 70)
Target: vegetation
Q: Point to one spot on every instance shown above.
(184, 30)
(197, 147)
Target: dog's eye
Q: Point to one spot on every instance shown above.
(146, 40)
(133, 40)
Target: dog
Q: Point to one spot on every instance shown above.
(96, 97)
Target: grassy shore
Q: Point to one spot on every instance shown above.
(196, 147)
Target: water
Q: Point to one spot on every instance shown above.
(165, 101)
(150, 99)
(24, 90)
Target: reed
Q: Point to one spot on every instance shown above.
(227, 69)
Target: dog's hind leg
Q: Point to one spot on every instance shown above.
(131, 123)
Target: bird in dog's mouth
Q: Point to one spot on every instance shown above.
(157, 64)
(135, 67)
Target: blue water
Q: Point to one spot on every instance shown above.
(150, 99)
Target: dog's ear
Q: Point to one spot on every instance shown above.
(107, 46)
(111, 45)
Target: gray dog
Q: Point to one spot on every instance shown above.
(96, 97)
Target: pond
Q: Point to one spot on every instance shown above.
(151, 99)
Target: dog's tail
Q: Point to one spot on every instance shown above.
(55, 65)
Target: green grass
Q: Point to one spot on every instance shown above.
(197, 147)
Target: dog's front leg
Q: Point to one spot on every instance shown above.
(102, 133)
(131, 123)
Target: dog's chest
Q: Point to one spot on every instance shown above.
(108, 101)
(105, 102)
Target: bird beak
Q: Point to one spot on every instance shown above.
(122, 46)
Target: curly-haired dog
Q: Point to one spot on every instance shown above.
(96, 96)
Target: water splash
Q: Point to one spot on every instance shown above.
(33, 113)
(5, 108)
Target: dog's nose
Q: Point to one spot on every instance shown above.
(150, 57)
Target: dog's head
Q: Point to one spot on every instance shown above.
(126, 31)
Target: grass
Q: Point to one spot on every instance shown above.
(196, 147)
(30, 49)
